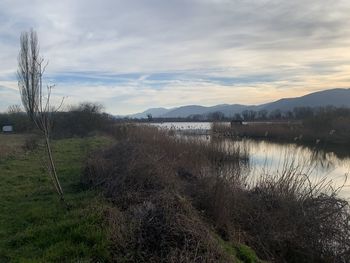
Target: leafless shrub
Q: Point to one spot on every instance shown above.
(169, 188)
(146, 182)
(289, 217)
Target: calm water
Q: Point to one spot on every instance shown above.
(271, 157)
(184, 126)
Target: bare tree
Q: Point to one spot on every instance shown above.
(14, 109)
(36, 102)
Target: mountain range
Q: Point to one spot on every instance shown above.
(332, 97)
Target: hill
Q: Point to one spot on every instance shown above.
(331, 97)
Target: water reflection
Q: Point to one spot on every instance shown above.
(271, 158)
(266, 157)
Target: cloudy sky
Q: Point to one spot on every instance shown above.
(132, 55)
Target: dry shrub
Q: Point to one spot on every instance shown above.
(169, 230)
(171, 194)
(154, 221)
(287, 217)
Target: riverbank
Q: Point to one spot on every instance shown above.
(145, 196)
(34, 226)
(286, 132)
(186, 200)
(150, 180)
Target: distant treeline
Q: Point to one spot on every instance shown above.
(318, 125)
(85, 118)
(79, 120)
(298, 113)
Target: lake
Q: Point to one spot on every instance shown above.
(332, 163)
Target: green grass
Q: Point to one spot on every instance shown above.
(34, 226)
(246, 254)
(239, 252)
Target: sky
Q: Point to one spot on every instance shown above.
(133, 55)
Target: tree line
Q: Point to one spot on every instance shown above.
(78, 120)
(298, 113)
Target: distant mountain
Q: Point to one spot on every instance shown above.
(155, 112)
(332, 97)
(186, 111)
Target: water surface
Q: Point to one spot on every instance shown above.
(325, 162)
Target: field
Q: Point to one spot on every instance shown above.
(34, 226)
(11, 145)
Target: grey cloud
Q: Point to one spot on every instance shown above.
(288, 40)
(8, 97)
(90, 31)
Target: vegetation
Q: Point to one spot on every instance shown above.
(18, 119)
(154, 197)
(319, 127)
(146, 176)
(298, 114)
(84, 119)
(186, 201)
(33, 227)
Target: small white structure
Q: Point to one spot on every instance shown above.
(7, 128)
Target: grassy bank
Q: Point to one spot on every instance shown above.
(186, 201)
(34, 226)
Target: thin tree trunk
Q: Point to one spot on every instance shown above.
(53, 168)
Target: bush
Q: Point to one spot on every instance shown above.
(82, 120)
(175, 195)
(159, 223)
